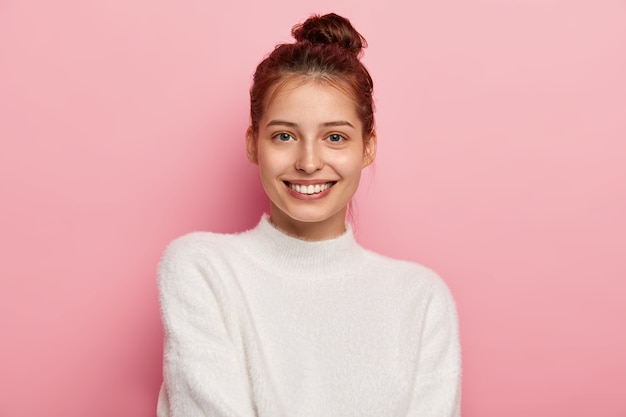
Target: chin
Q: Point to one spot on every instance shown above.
(313, 218)
(311, 215)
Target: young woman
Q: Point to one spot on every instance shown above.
(293, 318)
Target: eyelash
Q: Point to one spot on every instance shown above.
(341, 137)
(281, 135)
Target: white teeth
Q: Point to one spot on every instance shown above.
(311, 189)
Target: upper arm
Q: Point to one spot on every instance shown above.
(437, 390)
(204, 373)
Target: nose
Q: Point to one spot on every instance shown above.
(309, 158)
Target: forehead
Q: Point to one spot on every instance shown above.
(310, 99)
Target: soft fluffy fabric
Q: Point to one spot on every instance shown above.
(264, 324)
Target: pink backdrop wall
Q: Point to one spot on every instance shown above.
(502, 141)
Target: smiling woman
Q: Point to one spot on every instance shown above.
(294, 318)
(310, 154)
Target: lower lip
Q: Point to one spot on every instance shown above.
(301, 196)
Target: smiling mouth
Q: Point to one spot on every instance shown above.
(310, 189)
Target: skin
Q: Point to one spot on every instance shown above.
(310, 133)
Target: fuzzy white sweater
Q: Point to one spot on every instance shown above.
(264, 324)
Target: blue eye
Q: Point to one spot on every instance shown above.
(283, 137)
(335, 138)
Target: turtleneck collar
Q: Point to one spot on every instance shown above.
(288, 255)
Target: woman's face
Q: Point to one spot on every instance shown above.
(310, 151)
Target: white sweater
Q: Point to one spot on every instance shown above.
(265, 324)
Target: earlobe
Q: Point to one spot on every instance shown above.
(251, 145)
(369, 150)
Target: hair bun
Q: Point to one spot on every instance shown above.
(330, 29)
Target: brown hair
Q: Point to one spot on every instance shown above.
(327, 49)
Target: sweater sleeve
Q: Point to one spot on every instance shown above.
(204, 374)
(437, 391)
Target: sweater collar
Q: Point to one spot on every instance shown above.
(288, 255)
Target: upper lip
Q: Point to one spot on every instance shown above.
(308, 182)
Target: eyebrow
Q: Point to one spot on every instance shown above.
(326, 124)
(338, 123)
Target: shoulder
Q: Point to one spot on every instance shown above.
(195, 252)
(401, 268)
(409, 276)
(195, 245)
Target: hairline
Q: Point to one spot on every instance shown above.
(319, 77)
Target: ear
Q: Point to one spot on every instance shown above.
(251, 149)
(369, 149)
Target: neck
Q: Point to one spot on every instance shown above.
(328, 228)
(289, 256)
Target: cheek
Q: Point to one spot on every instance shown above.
(272, 164)
(350, 165)
(264, 157)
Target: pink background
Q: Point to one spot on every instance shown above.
(502, 141)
